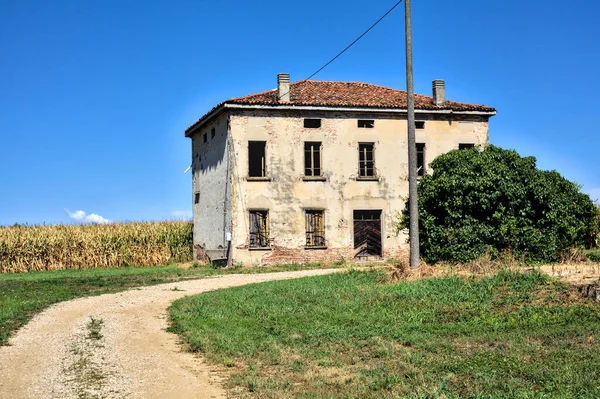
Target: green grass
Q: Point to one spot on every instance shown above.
(349, 336)
(593, 255)
(22, 295)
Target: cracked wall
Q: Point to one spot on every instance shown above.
(210, 182)
(286, 194)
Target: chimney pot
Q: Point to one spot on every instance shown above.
(439, 92)
(283, 87)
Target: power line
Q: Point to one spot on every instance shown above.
(356, 40)
(350, 45)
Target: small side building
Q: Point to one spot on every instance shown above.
(316, 170)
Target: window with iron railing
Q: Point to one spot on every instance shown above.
(259, 229)
(315, 229)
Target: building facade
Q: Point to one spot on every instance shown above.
(315, 170)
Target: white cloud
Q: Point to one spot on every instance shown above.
(83, 217)
(594, 194)
(77, 215)
(187, 214)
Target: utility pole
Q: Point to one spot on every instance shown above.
(413, 210)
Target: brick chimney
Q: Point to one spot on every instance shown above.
(283, 87)
(439, 92)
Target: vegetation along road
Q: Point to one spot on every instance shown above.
(114, 346)
(511, 334)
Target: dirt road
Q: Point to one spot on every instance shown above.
(575, 274)
(115, 346)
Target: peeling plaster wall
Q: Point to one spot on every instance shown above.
(443, 136)
(210, 165)
(286, 195)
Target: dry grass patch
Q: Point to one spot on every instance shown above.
(399, 269)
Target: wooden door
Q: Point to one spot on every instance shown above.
(367, 232)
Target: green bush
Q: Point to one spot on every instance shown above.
(594, 255)
(596, 242)
(495, 201)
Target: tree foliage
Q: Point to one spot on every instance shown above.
(496, 201)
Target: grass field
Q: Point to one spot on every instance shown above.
(24, 294)
(510, 335)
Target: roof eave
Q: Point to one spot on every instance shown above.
(288, 107)
(357, 109)
(206, 118)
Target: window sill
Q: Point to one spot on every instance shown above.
(368, 178)
(259, 248)
(252, 178)
(309, 248)
(314, 178)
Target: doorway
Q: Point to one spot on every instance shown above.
(367, 233)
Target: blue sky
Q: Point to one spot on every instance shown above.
(95, 95)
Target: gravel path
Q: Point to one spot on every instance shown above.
(115, 346)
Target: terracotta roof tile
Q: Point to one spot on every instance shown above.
(346, 94)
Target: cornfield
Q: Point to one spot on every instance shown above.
(32, 248)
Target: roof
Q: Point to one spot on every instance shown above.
(314, 93)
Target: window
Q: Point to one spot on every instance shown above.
(366, 123)
(366, 162)
(312, 123)
(256, 159)
(420, 124)
(196, 198)
(312, 158)
(465, 146)
(259, 229)
(420, 159)
(315, 229)
(212, 133)
(205, 137)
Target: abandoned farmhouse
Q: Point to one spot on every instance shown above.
(315, 170)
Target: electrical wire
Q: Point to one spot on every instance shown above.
(350, 45)
(356, 40)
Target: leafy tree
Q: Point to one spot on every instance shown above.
(596, 241)
(496, 201)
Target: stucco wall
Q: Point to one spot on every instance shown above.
(210, 164)
(287, 195)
